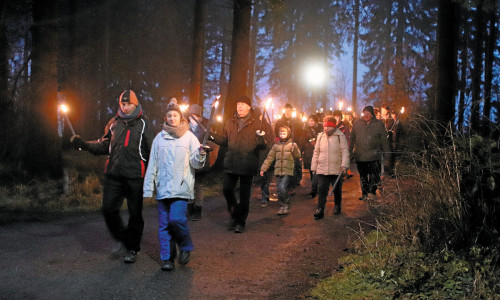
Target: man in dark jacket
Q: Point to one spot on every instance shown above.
(243, 142)
(127, 144)
(368, 138)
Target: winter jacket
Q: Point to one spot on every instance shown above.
(171, 166)
(368, 140)
(128, 144)
(331, 154)
(243, 146)
(283, 155)
(310, 141)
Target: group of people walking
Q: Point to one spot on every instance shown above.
(141, 164)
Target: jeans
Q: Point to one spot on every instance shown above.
(173, 227)
(238, 210)
(115, 191)
(282, 183)
(369, 174)
(324, 182)
(264, 186)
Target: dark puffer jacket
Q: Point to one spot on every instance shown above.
(128, 145)
(369, 140)
(243, 146)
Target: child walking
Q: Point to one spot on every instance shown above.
(283, 154)
(175, 153)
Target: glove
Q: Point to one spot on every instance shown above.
(203, 151)
(78, 143)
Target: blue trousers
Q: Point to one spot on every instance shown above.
(173, 226)
(282, 183)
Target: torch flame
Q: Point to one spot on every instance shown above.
(216, 103)
(64, 108)
(349, 108)
(340, 105)
(184, 107)
(402, 109)
(219, 118)
(268, 102)
(304, 119)
(294, 114)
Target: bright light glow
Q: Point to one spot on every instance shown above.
(64, 108)
(304, 119)
(278, 117)
(269, 101)
(349, 108)
(331, 108)
(216, 103)
(184, 107)
(315, 74)
(340, 105)
(321, 110)
(283, 110)
(402, 109)
(219, 118)
(294, 114)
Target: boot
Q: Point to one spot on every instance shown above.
(319, 214)
(196, 213)
(189, 211)
(337, 209)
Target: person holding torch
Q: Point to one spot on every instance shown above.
(127, 144)
(244, 138)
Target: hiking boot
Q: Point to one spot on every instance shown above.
(318, 214)
(184, 257)
(232, 225)
(118, 250)
(336, 210)
(130, 257)
(239, 229)
(312, 194)
(168, 265)
(280, 211)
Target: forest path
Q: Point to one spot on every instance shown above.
(278, 257)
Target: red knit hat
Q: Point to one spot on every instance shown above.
(329, 122)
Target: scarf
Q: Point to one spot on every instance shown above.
(178, 131)
(128, 117)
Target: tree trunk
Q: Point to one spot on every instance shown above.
(240, 52)
(355, 57)
(443, 107)
(477, 70)
(197, 75)
(5, 101)
(488, 65)
(464, 60)
(42, 146)
(253, 46)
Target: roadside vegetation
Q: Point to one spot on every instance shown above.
(24, 198)
(437, 230)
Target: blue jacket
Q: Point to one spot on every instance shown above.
(171, 166)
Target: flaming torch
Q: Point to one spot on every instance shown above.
(294, 114)
(64, 109)
(341, 104)
(266, 105)
(212, 112)
(402, 109)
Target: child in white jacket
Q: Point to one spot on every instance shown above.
(175, 153)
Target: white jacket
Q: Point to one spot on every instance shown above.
(331, 154)
(171, 166)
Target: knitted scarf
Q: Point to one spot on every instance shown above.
(177, 131)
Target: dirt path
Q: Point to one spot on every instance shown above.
(278, 257)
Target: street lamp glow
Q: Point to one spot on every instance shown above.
(315, 74)
(64, 108)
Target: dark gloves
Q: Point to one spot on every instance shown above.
(78, 143)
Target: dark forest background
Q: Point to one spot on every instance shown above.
(440, 58)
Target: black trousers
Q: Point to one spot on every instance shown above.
(324, 182)
(115, 191)
(238, 210)
(369, 174)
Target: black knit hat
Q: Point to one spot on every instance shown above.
(244, 99)
(128, 96)
(370, 110)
